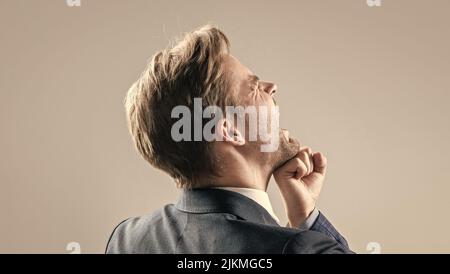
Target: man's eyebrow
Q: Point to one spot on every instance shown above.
(253, 79)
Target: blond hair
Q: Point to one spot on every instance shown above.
(192, 68)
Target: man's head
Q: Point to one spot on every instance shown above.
(199, 66)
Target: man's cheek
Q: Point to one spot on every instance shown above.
(274, 133)
(273, 145)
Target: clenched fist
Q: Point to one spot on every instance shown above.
(300, 181)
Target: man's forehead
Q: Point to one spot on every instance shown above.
(238, 70)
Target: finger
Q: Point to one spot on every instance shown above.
(305, 154)
(303, 157)
(302, 169)
(320, 163)
(310, 160)
(307, 149)
(293, 168)
(297, 167)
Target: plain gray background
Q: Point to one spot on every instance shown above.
(367, 86)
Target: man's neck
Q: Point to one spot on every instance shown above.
(243, 175)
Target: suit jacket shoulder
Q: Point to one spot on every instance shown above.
(216, 221)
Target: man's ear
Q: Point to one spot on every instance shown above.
(227, 132)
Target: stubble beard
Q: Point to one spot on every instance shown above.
(286, 151)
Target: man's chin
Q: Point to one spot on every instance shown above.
(286, 151)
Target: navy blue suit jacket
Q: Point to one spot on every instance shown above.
(220, 221)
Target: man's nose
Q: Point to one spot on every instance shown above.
(270, 88)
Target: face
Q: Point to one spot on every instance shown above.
(252, 91)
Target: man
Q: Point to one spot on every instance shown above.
(223, 206)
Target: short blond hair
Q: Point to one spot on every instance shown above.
(192, 68)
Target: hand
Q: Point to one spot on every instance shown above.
(300, 181)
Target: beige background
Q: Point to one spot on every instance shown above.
(367, 86)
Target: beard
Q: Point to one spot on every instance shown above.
(287, 150)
